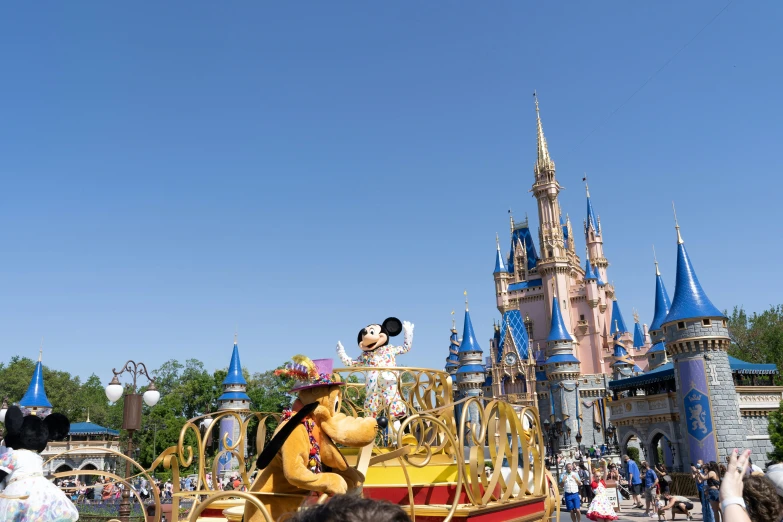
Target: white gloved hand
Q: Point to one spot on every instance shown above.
(407, 329)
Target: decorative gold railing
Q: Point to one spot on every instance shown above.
(434, 425)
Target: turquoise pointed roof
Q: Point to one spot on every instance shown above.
(469, 342)
(235, 369)
(35, 397)
(662, 302)
(618, 324)
(557, 330)
(500, 267)
(638, 336)
(690, 301)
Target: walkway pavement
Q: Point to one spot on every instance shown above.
(628, 513)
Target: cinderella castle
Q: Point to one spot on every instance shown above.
(563, 345)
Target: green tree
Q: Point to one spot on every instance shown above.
(775, 429)
(757, 338)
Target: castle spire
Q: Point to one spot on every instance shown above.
(499, 265)
(234, 395)
(591, 223)
(543, 162)
(35, 397)
(557, 330)
(617, 320)
(690, 301)
(677, 225)
(662, 302)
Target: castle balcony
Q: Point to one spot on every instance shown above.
(581, 326)
(628, 411)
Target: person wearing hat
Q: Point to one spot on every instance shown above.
(302, 456)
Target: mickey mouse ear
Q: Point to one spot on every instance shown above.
(13, 420)
(393, 326)
(58, 425)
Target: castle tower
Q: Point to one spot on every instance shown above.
(452, 361)
(623, 366)
(656, 355)
(35, 401)
(554, 266)
(594, 239)
(696, 341)
(501, 276)
(562, 372)
(234, 398)
(471, 371)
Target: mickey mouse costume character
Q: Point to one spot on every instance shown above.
(27, 496)
(382, 392)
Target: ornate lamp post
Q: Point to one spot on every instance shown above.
(131, 416)
(610, 434)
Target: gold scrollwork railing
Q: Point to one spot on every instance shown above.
(460, 431)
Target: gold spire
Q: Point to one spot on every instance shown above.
(544, 162)
(587, 189)
(40, 351)
(655, 258)
(235, 337)
(497, 240)
(466, 300)
(635, 315)
(677, 226)
(88, 414)
(453, 321)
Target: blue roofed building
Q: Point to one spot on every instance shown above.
(35, 401)
(695, 402)
(233, 398)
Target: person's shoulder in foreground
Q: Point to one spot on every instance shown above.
(351, 508)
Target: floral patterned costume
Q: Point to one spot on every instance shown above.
(601, 508)
(381, 388)
(46, 502)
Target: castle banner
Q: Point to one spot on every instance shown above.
(697, 410)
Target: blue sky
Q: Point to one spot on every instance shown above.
(171, 172)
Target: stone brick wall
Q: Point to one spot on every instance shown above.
(695, 329)
(757, 438)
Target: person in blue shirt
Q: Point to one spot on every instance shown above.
(634, 480)
(650, 481)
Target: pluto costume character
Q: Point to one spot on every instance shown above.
(382, 392)
(302, 456)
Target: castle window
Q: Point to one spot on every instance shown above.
(681, 325)
(724, 323)
(706, 322)
(581, 317)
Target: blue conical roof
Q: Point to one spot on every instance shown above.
(689, 301)
(452, 361)
(662, 303)
(469, 342)
(36, 394)
(592, 222)
(235, 369)
(557, 330)
(638, 336)
(499, 265)
(589, 273)
(618, 324)
(619, 350)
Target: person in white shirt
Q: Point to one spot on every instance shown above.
(571, 484)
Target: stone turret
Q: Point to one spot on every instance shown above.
(471, 373)
(562, 372)
(697, 340)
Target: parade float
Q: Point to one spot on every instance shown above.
(474, 459)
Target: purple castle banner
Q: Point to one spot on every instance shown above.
(697, 411)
